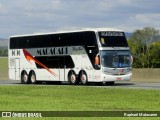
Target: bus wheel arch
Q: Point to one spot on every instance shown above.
(24, 77)
(72, 77)
(32, 77)
(83, 78)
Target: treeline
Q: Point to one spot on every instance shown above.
(145, 48)
(3, 52)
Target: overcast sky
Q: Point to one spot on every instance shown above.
(32, 16)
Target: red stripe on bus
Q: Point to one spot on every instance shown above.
(29, 57)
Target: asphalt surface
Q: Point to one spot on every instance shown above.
(129, 84)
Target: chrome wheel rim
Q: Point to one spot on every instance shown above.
(25, 78)
(73, 78)
(33, 78)
(83, 78)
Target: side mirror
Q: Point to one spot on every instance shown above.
(97, 62)
(131, 59)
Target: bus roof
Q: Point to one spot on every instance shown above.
(72, 31)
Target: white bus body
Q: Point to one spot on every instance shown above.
(99, 55)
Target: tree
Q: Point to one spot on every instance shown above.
(140, 43)
(155, 55)
(0, 52)
(4, 52)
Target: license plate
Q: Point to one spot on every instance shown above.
(118, 78)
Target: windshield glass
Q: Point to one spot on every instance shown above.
(116, 59)
(113, 39)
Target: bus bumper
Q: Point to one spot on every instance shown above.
(109, 78)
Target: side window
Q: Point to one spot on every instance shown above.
(12, 43)
(55, 62)
(69, 62)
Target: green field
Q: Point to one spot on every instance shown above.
(3, 63)
(77, 98)
(74, 98)
(3, 68)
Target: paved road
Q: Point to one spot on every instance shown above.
(116, 85)
(138, 85)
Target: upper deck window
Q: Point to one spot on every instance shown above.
(84, 38)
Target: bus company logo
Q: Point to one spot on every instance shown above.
(121, 71)
(16, 53)
(53, 51)
(77, 50)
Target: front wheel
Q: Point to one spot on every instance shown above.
(83, 78)
(32, 77)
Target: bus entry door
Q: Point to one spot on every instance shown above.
(62, 68)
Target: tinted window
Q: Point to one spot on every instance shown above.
(55, 62)
(113, 39)
(52, 40)
(116, 59)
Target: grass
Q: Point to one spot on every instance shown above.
(3, 63)
(3, 68)
(74, 98)
(77, 98)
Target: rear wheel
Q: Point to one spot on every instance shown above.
(83, 78)
(24, 78)
(72, 79)
(32, 77)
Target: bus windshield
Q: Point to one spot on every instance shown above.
(115, 59)
(113, 39)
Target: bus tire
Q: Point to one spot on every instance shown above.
(72, 79)
(24, 78)
(32, 77)
(83, 78)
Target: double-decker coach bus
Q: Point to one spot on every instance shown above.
(92, 55)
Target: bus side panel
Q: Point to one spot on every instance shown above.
(42, 74)
(82, 62)
(14, 64)
(11, 68)
(45, 75)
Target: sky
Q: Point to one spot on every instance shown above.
(37, 16)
